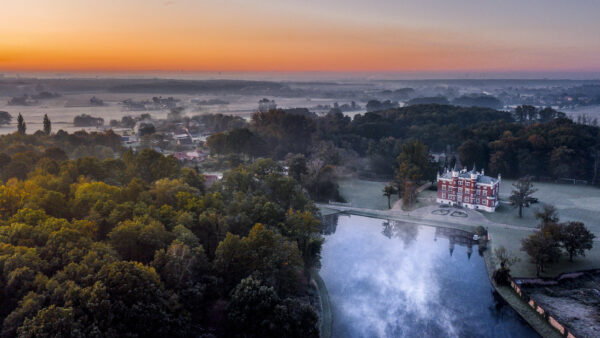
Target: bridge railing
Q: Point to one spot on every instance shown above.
(341, 204)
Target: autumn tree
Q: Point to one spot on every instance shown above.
(414, 164)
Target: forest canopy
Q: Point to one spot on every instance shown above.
(138, 246)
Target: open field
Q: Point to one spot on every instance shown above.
(365, 194)
(574, 203)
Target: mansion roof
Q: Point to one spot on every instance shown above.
(467, 175)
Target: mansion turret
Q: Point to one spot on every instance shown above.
(470, 189)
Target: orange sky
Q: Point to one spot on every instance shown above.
(296, 35)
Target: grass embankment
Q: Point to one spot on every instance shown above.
(521, 307)
(326, 314)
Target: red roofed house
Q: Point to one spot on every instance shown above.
(470, 189)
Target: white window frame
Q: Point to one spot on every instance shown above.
(484, 192)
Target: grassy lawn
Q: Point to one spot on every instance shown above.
(574, 203)
(511, 240)
(425, 198)
(365, 194)
(506, 214)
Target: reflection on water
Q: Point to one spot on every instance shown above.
(395, 279)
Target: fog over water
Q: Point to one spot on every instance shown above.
(400, 280)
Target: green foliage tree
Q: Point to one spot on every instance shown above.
(256, 310)
(576, 238)
(21, 125)
(388, 191)
(297, 167)
(47, 125)
(304, 228)
(75, 235)
(138, 239)
(5, 117)
(52, 322)
(414, 164)
(264, 252)
(521, 195)
(543, 248)
(547, 214)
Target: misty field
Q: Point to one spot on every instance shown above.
(365, 194)
(574, 203)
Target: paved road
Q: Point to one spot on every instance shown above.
(424, 216)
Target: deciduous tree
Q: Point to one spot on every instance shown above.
(521, 196)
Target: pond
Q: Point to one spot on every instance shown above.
(394, 279)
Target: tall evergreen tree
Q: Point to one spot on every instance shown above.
(21, 126)
(47, 125)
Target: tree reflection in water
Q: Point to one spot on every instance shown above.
(407, 232)
(396, 279)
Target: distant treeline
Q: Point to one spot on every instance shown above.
(193, 86)
(547, 144)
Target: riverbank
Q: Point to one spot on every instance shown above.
(573, 299)
(326, 318)
(519, 305)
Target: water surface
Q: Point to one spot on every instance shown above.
(392, 279)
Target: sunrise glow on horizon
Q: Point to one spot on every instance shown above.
(296, 35)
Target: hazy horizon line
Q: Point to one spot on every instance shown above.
(557, 75)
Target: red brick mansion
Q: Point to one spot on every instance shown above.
(470, 189)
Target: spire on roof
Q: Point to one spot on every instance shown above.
(474, 168)
(455, 166)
